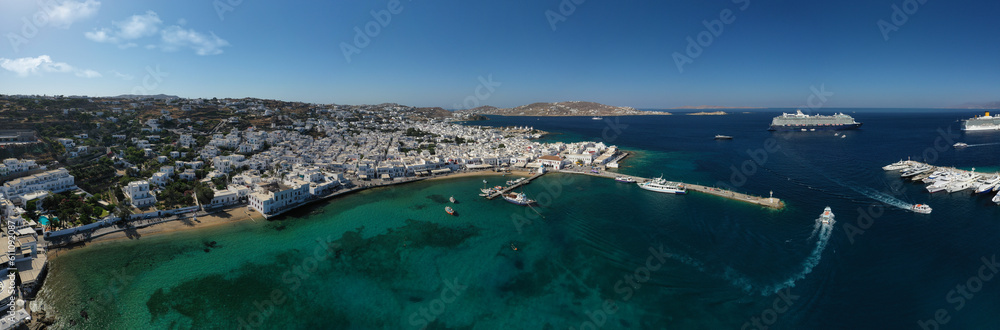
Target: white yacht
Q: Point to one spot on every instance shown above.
(663, 186)
(987, 185)
(996, 199)
(901, 164)
(962, 182)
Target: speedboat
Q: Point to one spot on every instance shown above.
(625, 179)
(723, 137)
(827, 217)
(960, 145)
(921, 208)
(597, 118)
(449, 210)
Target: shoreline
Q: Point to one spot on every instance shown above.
(227, 216)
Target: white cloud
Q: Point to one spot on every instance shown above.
(122, 75)
(134, 27)
(63, 14)
(88, 74)
(100, 35)
(26, 66)
(175, 37)
(138, 26)
(172, 38)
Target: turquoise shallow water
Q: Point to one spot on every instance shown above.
(604, 253)
(391, 254)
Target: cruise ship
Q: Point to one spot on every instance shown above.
(802, 122)
(981, 123)
(661, 185)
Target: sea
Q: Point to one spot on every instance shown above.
(594, 254)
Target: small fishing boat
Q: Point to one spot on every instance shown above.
(452, 199)
(512, 247)
(449, 210)
(625, 179)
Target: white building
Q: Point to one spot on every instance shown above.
(274, 198)
(233, 194)
(55, 181)
(139, 195)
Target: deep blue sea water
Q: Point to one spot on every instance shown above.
(596, 252)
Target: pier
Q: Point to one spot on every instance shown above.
(515, 186)
(770, 202)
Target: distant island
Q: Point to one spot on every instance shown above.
(704, 113)
(560, 109)
(702, 107)
(988, 105)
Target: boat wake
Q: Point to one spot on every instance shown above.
(746, 284)
(881, 197)
(982, 144)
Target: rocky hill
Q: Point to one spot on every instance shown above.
(559, 109)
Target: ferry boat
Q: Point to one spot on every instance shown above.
(723, 137)
(449, 210)
(827, 217)
(518, 198)
(625, 179)
(661, 185)
(921, 208)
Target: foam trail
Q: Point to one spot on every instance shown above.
(815, 229)
(811, 262)
(983, 144)
(881, 197)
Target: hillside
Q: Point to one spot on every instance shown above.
(561, 109)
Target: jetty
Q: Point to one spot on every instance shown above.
(770, 202)
(514, 186)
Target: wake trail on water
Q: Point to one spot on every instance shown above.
(982, 144)
(746, 284)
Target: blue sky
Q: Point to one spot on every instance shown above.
(437, 53)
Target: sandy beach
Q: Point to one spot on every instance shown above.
(228, 216)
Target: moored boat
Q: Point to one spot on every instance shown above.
(625, 179)
(449, 210)
(663, 186)
(518, 198)
(452, 199)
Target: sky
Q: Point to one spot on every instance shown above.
(458, 54)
